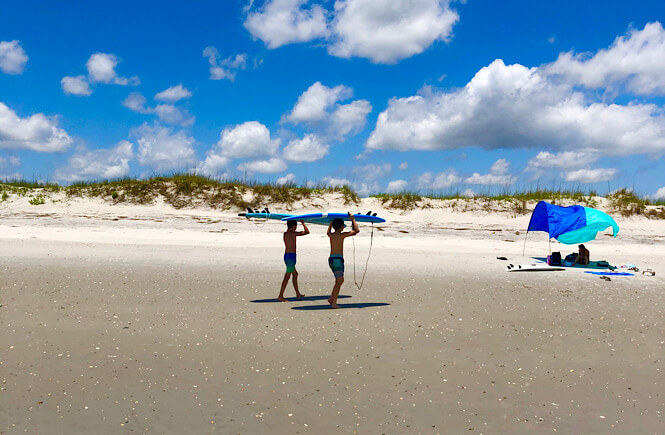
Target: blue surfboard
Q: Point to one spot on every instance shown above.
(327, 217)
(279, 216)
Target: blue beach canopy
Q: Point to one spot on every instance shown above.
(570, 225)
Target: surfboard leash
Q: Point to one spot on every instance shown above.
(371, 242)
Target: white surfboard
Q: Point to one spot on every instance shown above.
(534, 267)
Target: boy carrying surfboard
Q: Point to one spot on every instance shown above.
(336, 259)
(290, 257)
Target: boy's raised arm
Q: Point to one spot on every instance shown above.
(303, 233)
(354, 226)
(329, 232)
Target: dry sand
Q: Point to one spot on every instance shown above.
(148, 319)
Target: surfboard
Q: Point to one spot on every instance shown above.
(327, 217)
(278, 216)
(542, 267)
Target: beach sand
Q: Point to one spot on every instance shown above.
(128, 319)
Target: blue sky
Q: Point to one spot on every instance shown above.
(424, 95)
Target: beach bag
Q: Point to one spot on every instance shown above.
(554, 259)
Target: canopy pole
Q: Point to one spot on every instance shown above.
(524, 247)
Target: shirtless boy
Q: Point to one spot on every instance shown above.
(336, 259)
(290, 257)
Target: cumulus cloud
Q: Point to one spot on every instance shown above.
(372, 172)
(288, 179)
(280, 22)
(498, 175)
(168, 113)
(213, 165)
(37, 132)
(512, 106)
(396, 186)
(349, 118)
(308, 149)
(12, 57)
(247, 140)
(660, 194)
(269, 166)
(563, 160)
(403, 166)
(313, 104)
(101, 68)
(440, 181)
(76, 86)
(635, 61)
(591, 175)
(173, 94)
(319, 107)
(333, 182)
(162, 149)
(100, 164)
(386, 31)
(224, 68)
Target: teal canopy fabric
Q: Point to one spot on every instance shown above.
(570, 225)
(596, 221)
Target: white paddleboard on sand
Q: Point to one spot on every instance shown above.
(535, 267)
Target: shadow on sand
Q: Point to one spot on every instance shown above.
(327, 306)
(305, 299)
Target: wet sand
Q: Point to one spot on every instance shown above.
(112, 330)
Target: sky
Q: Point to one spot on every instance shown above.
(428, 96)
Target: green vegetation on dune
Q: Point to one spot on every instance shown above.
(186, 190)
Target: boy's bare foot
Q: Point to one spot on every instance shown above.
(281, 299)
(330, 300)
(300, 296)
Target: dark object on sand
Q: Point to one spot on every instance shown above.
(501, 258)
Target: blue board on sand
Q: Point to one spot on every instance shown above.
(327, 217)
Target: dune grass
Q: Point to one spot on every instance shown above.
(185, 190)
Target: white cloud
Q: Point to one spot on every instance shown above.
(349, 118)
(288, 179)
(167, 113)
(315, 101)
(100, 164)
(517, 107)
(396, 186)
(498, 175)
(269, 166)
(403, 166)
(308, 149)
(660, 194)
(101, 68)
(37, 132)
(372, 172)
(173, 94)
(14, 161)
(163, 150)
(563, 160)
(213, 164)
(440, 181)
(386, 31)
(224, 68)
(12, 57)
(591, 175)
(469, 193)
(247, 140)
(75, 86)
(281, 22)
(335, 182)
(318, 107)
(636, 61)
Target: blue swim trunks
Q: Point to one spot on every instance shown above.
(290, 261)
(336, 263)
